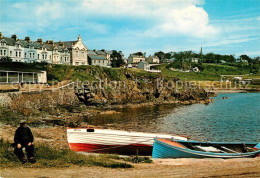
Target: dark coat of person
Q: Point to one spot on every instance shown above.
(23, 135)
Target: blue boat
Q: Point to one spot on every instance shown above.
(166, 148)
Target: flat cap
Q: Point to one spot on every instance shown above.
(22, 122)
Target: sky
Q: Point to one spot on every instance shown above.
(218, 26)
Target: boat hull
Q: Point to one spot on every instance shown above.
(164, 150)
(113, 141)
(133, 149)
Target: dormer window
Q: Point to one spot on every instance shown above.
(31, 47)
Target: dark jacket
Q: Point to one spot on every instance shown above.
(23, 135)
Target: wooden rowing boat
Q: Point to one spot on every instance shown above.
(167, 148)
(96, 140)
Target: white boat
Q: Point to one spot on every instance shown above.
(96, 140)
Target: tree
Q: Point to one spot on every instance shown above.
(116, 59)
(6, 59)
(160, 55)
(245, 57)
(139, 54)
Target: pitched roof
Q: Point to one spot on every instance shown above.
(9, 41)
(38, 45)
(133, 55)
(99, 52)
(97, 57)
(69, 44)
(108, 52)
(145, 62)
(91, 52)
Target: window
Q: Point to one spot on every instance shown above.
(20, 54)
(42, 56)
(82, 54)
(38, 56)
(45, 56)
(4, 52)
(16, 54)
(30, 55)
(33, 55)
(1, 52)
(11, 53)
(77, 54)
(25, 55)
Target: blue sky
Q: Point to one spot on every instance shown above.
(219, 26)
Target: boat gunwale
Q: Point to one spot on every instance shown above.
(209, 154)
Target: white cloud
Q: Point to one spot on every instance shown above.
(169, 16)
(50, 10)
(249, 53)
(190, 20)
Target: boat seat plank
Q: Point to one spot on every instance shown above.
(228, 150)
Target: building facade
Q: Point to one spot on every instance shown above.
(98, 58)
(143, 65)
(22, 77)
(25, 50)
(153, 60)
(134, 59)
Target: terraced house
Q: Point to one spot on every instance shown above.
(25, 50)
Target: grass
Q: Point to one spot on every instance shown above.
(189, 76)
(211, 72)
(50, 157)
(9, 117)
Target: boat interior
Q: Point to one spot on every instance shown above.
(211, 146)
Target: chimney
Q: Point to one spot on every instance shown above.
(40, 41)
(14, 37)
(1, 35)
(61, 44)
(27, 38)
(50, 42)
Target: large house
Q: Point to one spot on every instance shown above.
(153, 60)
(25, 50)
(98, 58)
(135, 58)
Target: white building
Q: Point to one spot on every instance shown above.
(143, 65)
(153, 60)
(68, 52)
(22, 77)
(134, 59)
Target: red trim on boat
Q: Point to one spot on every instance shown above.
(132, 149)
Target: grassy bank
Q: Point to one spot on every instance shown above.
(51, 157)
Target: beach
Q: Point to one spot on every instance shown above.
(159, 168)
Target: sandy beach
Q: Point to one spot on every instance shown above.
(160, 168)
(56, 137)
